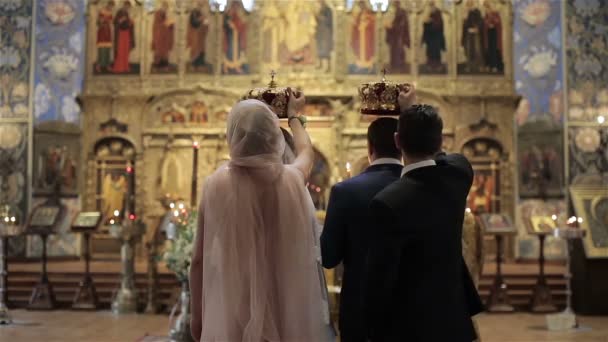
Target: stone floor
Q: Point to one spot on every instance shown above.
(66, 326)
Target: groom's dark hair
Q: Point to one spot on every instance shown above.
(420, 131)
(380, 136)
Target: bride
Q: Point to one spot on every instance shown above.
(255, 273)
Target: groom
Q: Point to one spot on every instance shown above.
(347, 226)
(418, 287)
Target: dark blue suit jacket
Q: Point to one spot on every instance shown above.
(346, 236)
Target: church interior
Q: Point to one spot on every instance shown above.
(113, 113)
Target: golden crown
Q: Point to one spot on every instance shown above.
(381, 98)
(277, 98)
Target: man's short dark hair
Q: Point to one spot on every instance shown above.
(420, 131)
(381, 137)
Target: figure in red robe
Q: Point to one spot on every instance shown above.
(493, 39)
(104, 37)
(124, 39)
(398, 38)
(163, 30)
(363, 39)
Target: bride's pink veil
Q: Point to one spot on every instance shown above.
(260, 259)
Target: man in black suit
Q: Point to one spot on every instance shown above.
(347, 226)
(418, 287)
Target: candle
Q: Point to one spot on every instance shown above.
(194, 174)
(348, 169)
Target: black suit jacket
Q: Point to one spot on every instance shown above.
(418, 287)
(346, 237)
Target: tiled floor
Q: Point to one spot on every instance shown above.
(65, 326)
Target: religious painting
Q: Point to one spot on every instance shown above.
(115, 172)
(496, 223)
(63, 242)
(481, 43)
(163, 39)
(116, 38)
(527, 245)
(317, 107)
(56, 158)
(591, 204)
(542, 225)
(361, 51)
(397, 37)
(433, 55)
(234, 25)
(540, 153)
(185, 111)
(198, 32)
(297, 34)
(483, 196)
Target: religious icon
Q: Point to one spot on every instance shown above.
(56, 165)
(496, 223)
(540, 170)
(273, 33)
(493, 39)
(199, 22)
(104, 38)
(433, 38)
(124, 41)
(298, 41)
(473, 38)
(163, 36)
(363, 39)
(114, 192)
(324, 35)
(235, 40)
(398, 39)
(481, 39)
(542, 224)
(199, 112)
(482, 192)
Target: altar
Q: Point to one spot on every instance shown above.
(149, 116)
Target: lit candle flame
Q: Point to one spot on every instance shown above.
(116, 213)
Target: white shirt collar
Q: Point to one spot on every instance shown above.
(386, 161)
(424, 163)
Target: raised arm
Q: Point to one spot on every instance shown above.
(304, 151)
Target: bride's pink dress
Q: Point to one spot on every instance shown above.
(261, 274)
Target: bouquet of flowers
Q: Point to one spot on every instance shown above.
(178, 255)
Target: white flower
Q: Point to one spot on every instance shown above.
(59, 12)
(20, 109)
(588, 64)
(536, 12)
(588, 139)
(10, 136)
(10, 5)
(42, 99)
(541, 62)
(586, 8)
(76, 42)
(61, 64)
(576, 113)
(20, 92)
(22, 23)
(70, 109)
(9, 56)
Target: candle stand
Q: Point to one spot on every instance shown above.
(9, 226)
(566, 319)
(128, 232)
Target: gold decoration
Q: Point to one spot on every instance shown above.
(381, 98)
(275, 97)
